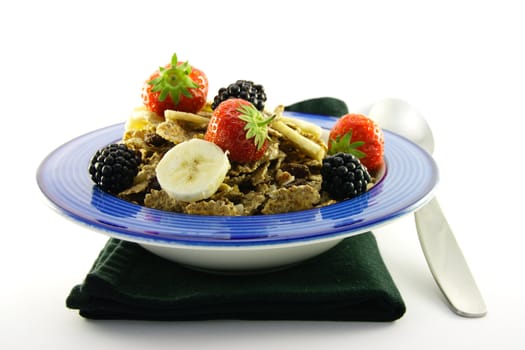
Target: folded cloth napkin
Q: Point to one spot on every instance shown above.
(321, 105)
(347, 283)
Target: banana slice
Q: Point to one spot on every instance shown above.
(140, 118)
(306, 127)
(192, 170)
(186, 117)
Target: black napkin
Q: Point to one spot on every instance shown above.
(347, 283)
(350, 282)
(321, 105)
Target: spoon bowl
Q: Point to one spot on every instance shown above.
(399, 116)
(441, 250)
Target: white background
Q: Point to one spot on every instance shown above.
(69, 67)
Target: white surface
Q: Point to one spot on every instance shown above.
(70, 67)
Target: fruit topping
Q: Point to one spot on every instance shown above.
(192, 170)
(344, 176)
(177, 86)
(358, 135)
(114, 167)
(240, 129)
(232, 156)
(245, 89)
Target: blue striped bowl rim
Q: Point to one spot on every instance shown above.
(410, 178)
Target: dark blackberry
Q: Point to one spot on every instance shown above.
(114, 167)
(245, 89)
(344, 176)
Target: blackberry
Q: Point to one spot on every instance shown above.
(114, 167)
(344, 176)
(245, 89)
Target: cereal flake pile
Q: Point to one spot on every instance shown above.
(284, 179)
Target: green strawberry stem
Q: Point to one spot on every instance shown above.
(174, 81)
(256, 126)
(344, 144)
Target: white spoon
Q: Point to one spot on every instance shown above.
(444, 257)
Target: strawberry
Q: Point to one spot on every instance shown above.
(239, 129)
(176, 86)
(358, 135)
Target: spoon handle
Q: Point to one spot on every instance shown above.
(447, 263)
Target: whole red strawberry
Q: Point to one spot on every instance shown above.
(239, 128)
(176, 86)
(358, 135)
